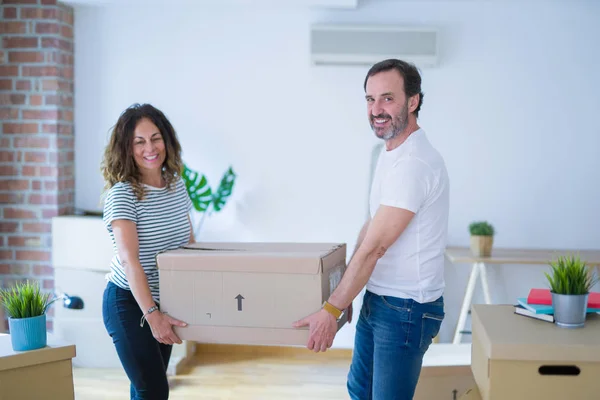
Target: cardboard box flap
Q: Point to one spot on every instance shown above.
(300, 258)
(508, 336)
(321, 249)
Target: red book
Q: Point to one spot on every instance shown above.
(543, 296)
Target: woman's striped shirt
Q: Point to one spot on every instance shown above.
(162, 224)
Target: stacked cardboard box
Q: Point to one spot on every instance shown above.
(522, 358)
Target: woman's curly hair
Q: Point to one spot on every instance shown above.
(118, 164)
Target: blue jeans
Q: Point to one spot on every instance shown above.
(144, 359)
(392, 335)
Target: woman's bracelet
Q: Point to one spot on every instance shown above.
(150, 311)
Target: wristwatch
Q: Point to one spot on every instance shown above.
(338, 314)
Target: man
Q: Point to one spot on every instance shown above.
(399, 254)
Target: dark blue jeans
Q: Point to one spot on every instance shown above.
(392, 335)
(144, 359)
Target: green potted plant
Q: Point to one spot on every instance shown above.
(26, 307)
(482, 238)
(570, 284)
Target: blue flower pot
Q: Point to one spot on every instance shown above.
(28, 333)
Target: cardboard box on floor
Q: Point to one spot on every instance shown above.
(520, 358)
(446, 372)
(448, 382)
(248, 293)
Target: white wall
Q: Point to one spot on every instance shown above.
(512, 107)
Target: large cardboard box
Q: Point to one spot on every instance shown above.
(248, 293)
(520, 358)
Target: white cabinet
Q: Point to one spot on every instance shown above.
(81, 254)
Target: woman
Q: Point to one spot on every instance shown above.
(146, 211)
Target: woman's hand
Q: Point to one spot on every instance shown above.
(162, 327)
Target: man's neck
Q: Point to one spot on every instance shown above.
(401, 138)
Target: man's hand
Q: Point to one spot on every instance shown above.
(322, 330)
(162, 327)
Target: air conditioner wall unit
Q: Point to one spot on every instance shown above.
(368, 44)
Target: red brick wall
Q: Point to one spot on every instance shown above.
(37, 142)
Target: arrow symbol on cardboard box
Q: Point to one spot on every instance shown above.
(239, 298)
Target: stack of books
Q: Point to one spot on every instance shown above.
(538, 304)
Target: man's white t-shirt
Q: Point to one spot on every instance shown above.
(412, 176)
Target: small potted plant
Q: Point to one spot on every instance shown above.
(482, 238)
(26, 307)
(570, 285)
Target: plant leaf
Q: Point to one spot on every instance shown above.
(224, 190)
(570, 275)
(24, 300)
(197, 188)
(481, 228)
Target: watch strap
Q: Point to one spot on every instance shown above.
(333, 310)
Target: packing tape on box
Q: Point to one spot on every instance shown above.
(335, 277)
(210, 249)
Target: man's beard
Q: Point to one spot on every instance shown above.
(397, 126)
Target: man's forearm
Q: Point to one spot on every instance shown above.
(361, 237)
(356, 277)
